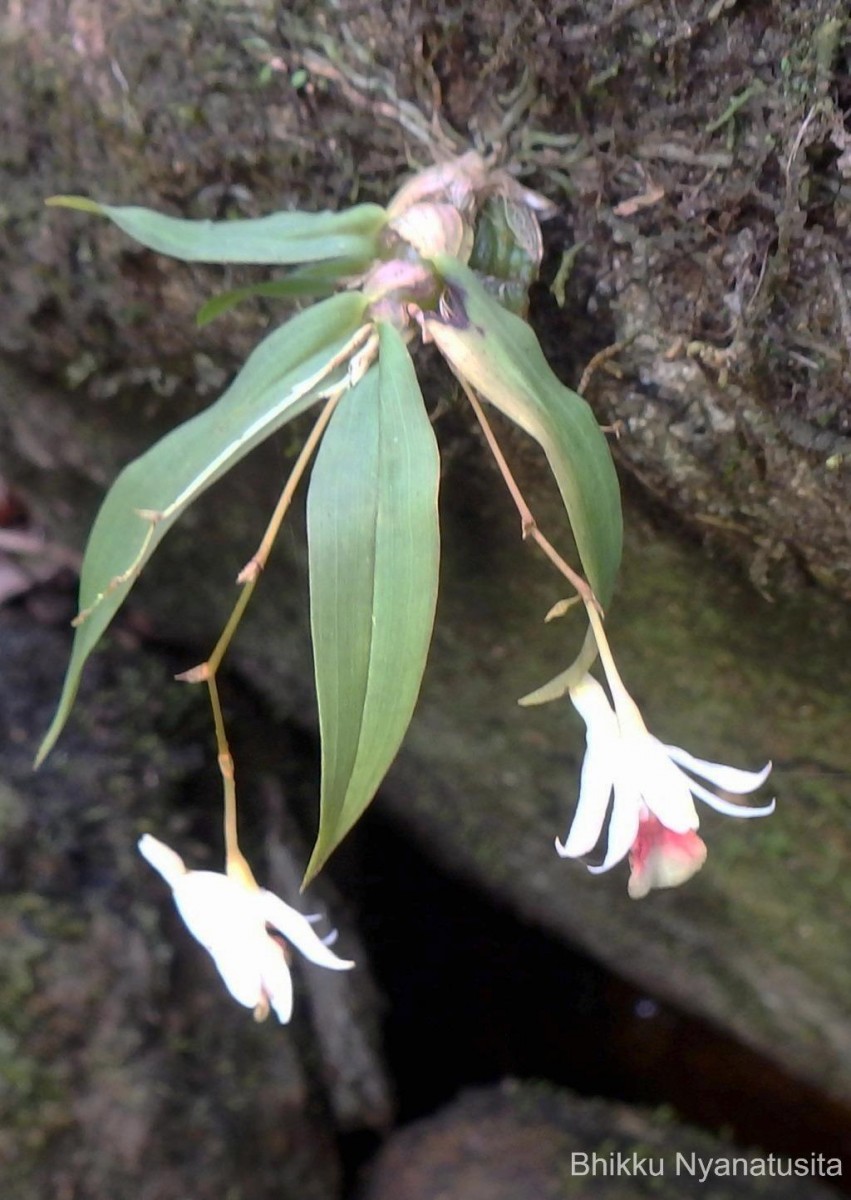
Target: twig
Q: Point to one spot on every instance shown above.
(602, 356)
(528, 524)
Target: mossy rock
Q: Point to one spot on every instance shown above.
(127, 1068)
(526, 1141)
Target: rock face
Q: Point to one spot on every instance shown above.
(743, 436)
(700, 157)
(528, 1142)
(715, 669)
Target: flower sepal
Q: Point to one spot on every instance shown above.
(246, 930)
(653, 817)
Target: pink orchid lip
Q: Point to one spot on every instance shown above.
(662, 858)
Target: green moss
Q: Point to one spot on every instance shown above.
(35, 1101)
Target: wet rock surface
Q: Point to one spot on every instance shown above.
(699, 154)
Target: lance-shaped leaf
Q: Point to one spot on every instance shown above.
(374, 552)
(315, 280)
(498, 354)
(287, 372)
(561, 684)
(283, 237)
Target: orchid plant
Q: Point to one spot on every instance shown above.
(448, 260)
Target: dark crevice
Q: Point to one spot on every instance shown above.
(475, 994)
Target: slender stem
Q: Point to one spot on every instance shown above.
(528, 524)
(625, 706)
(606, 657)
(235, 863)
(527, 521)
(628, 713)
(211, 666)
(582, 587)
(252, 570)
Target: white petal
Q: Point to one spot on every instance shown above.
(623, 826)
(220, 914)
(277, 980)
(164, 860)
(214, 906)
(596, 779)
(729, 779)
(728, 808)
(298, 930)
(589, 699)
(664, 788)
(595, 788)
(240, 962)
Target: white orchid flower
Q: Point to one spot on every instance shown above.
(239, 923)
(653, 817)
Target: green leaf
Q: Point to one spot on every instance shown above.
(561, 684)
(499, 356)
(374, 552)
(284, 375)
(283, 237)
(316, 280)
